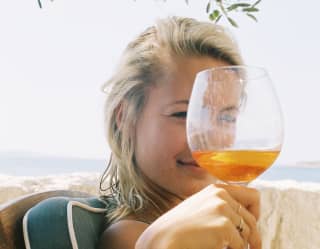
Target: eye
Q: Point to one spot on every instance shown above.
(179, 114)
(227, 118)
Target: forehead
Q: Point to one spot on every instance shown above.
(180, 73)
(185, 68)
(222, 86)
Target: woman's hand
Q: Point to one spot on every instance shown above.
(219, 216)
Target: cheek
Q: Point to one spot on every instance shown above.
(225, 136)
(159, 142)
(215, 138)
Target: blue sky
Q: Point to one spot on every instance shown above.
(54, 60)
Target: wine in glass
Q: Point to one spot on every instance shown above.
(234, 122)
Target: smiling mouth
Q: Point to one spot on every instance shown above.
(187, 163)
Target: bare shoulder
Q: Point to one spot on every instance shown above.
(122, 235)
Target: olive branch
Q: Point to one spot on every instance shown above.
(216, 9)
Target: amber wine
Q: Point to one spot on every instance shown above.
(239, 166)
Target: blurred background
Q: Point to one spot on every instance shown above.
(54, 60)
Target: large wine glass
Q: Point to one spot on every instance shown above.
(234, 122)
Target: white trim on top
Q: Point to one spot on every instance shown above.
(72, 233)
(25, 230)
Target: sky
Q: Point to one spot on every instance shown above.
(54, 60)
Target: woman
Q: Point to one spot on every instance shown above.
(163, 198)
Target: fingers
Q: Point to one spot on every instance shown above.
(255, 239)
(239, 223)
(248, 197)
(243, 228)
(237, 213)
(249, 233)
(243, 212)
(235, 240)
(229, 236)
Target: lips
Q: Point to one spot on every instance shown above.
(187, 163)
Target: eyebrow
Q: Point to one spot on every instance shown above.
(183, 101)
(229, 108)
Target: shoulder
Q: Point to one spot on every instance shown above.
(122, 234)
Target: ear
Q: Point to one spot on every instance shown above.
(119, 115)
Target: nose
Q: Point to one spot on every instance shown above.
(212, 139)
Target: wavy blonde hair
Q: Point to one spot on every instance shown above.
(141, 66)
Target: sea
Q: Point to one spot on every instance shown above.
(46, 165)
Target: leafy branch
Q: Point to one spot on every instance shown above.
(216, 9)
(40, 3)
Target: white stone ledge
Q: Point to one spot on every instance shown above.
(290, 214)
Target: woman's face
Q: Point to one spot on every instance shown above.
(162, 151)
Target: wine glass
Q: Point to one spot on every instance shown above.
(234, 123)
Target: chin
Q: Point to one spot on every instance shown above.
(195, 188)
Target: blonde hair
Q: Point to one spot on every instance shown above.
(141, 66)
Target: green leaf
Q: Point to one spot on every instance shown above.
(252, 17)
(40, 4)
(213, 16)
(232, 22)
(237, 5)
(250, 9)
(222, 7)
(218, 18)
(208, 7)
(216, 13)
(256, 3)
